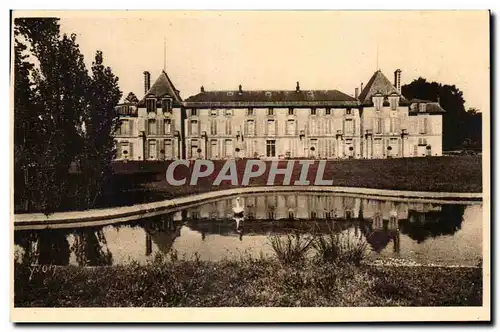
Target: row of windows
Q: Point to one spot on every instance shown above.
(166, 105)
(270, 112)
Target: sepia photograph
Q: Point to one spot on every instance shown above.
(250, 166)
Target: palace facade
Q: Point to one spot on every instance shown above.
(377, 122)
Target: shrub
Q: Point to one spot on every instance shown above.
(292, 248)
(340, 248)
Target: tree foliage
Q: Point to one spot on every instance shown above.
(62, 114)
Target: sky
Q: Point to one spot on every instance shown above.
(268, 50)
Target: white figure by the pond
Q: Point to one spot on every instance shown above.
(238, 209)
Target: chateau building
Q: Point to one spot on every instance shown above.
(377, 122)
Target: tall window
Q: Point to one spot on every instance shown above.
(151, 105)
(229, 127)
(124, 128)
(168, 126)
(229, 148)
(167, 105)
(270, 111)
(313, 111)
(214, 149)
(290, 111)
(152, 126)
(152, 149)
(422, 125)
(250, 111)
(194, 127)
(194, 112)
(378, 125)
(251, 127)
(328, 111)
(421, 107)
(349, 127)
(348, 111)
(168, 149)
(271, 148)
(213, 127)
(290, 127)
(271, 127)
(378, 103)
(394, 103)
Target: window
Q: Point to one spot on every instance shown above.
(349, 127)
(168, 126)
(124, 147)
(348, 111)
(270, 111)
(213, 127)
(393, 125)
(394, 103)
(168, 149)
(194, 112)
(271, 127)
(378, 125)
(328, 111)
(290, 127)
(421, 107)
(229, 112)
(290, 111)
(251, 127)
(151, 105)
(271, 148)
(213, 112)
(214, 149)
(194, 127)
(124, 128)
(313, 214)
(167, 105)
(152, 149)
(314, 145)
(313, 111)
(378, 102)
(229, 148)
(194, 148)
(422, 124)
(250, 111)
(229, 127)
(152, 126)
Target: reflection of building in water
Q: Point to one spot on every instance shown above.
(379, 221)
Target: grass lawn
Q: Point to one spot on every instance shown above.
(247, 282)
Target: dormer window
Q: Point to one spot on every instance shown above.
(250, 111)
(378, 102)
(167, 105)
(313, 111)
(194, 112)
(421, 107)
(290, 111)
(393, 101)
(270, 111)
(151, 104)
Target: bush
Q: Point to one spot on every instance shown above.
(340, 248)
(292, 248)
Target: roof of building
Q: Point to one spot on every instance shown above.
(379, 84)
(162, 87)
(263, 97)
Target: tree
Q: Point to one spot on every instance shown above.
(451, 100)
(473, 122)
(101, 120)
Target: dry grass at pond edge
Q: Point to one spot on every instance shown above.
(247, 282)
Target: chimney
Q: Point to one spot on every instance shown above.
(147, 81)
(202, 89)
(240, 90)
(297, 88)
(361, 89)
(356, 93)
(397, 80)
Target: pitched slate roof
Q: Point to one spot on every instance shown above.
(379, 83)
(272, 97)
(162, 87)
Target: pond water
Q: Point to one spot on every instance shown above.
(446, 234)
